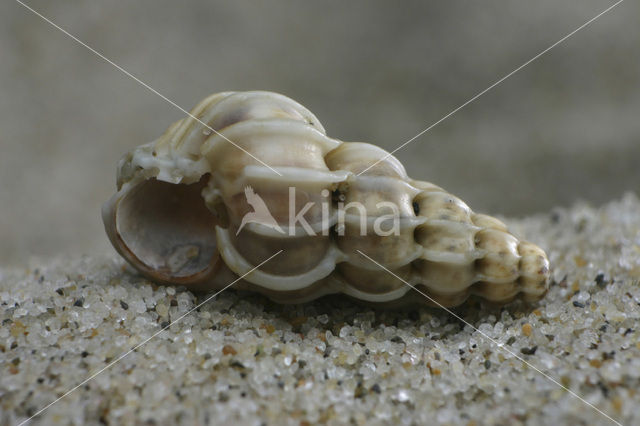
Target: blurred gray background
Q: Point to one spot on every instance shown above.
(566, 127)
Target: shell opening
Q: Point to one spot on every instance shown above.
(168, 231)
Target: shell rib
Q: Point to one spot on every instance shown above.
(181, 201)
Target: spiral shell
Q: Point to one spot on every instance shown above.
(180, 210)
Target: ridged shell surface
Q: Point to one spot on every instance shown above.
(270, 145)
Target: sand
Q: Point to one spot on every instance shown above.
(244, 360)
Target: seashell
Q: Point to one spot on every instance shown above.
(204, 205)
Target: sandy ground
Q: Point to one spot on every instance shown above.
(240, 359)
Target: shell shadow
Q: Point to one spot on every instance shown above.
(332, 312)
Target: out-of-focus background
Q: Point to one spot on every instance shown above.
(566, 127)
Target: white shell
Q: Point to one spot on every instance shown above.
(181, 200)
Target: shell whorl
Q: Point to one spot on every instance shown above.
(442, 247)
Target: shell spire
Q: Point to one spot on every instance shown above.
(204, 204)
